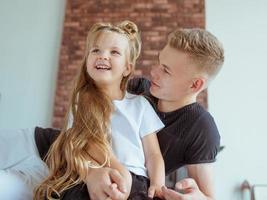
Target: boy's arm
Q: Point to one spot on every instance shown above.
(99, 183)
(115, 164)
(96, 153)
(203, 176)
(154, 163)
(201, 155)
(198, 187)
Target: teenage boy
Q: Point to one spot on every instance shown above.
(187, 64)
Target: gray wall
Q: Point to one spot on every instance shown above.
(30, 37)
(237, 98)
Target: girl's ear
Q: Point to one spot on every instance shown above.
(128, 70)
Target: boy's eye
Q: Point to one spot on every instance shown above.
(115, 52)
(164, 69)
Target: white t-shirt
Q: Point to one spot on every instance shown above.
(133, 119)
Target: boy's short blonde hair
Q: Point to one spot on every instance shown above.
(203, 48)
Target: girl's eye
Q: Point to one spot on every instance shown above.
(115, 52)
(95, 50)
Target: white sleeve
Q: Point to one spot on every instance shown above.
(15, 146)
(150, 122)
(13, 187)
(20, 162)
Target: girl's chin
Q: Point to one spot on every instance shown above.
(102, 82)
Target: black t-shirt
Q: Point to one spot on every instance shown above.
(190, 135)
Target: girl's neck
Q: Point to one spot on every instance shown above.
(114, 93)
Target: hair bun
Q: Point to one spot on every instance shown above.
(129, 27)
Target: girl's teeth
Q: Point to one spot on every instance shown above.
(102, 67)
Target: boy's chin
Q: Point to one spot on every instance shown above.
(154, 92)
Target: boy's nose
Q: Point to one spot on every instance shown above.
(154, 72)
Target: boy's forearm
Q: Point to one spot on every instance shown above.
(122, 170)
(98, 159)
(203, 176)
(115, 164)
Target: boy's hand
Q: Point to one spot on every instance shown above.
(155, 191)
(188, 188)
(114, 188)
(105, 183)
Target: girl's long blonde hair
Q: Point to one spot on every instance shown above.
(68, 158)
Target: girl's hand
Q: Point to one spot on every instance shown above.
(155, 191)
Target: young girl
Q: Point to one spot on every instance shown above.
(110, 127)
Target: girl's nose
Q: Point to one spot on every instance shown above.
(104, 55)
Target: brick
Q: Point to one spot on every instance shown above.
(155, 19)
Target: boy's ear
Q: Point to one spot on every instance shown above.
(198, 84)
(128, 70)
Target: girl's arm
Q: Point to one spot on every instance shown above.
(154, 164)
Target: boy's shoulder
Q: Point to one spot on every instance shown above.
(132, 101)
(44, 138)
(199, 116)
(190, 119)
(138, 85)
(203, 124)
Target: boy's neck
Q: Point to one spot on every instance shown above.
(169, 106)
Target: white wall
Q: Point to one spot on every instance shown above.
(30, 37)
(238, 97)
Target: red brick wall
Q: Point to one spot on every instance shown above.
(155, 18)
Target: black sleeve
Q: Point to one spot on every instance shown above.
(138, 86)
(204, 143)
(44, 137)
